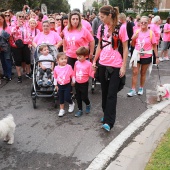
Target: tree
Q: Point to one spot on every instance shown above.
(52, 5)
(148, 5)
(122, 4)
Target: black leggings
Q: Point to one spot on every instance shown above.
(82, 94)
(71, 61)
(109, 94)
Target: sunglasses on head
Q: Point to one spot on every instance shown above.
(58, 19)
(7, 15)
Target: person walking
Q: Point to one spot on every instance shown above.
(144, 41)
(112, 61)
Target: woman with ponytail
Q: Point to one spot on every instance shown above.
(112, 63)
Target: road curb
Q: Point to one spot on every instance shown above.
(104, 157)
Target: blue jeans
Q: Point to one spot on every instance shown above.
(6, 64)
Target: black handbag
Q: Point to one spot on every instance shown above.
(19, 43)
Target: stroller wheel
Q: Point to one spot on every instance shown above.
(34, 103)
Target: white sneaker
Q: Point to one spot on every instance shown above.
(61, 113)
(140, 92)
(131, 93)
(71, 107)
(161, 59)
(166, 58)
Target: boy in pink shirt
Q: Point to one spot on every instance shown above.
(62, 76)
(82, 71)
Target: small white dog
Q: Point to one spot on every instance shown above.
(7, 129)
(163, 92)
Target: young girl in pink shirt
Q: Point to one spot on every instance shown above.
(62, 81)
(82, 71)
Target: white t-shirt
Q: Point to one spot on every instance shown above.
(46, 63)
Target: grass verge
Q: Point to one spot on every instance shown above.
(160, 159)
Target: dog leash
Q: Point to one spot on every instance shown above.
(159, 74)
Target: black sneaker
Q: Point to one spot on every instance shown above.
(19, 79)
(28, 76)
(4, 77)
(8, 79)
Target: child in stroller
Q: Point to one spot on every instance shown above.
(45, 65)
(42, 85)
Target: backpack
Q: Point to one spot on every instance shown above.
(116, 44)
(115, 41)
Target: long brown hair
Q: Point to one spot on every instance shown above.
(4, 23)
(70, 27)
(108, 9)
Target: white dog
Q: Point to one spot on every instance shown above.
(7, 129)
(163, 92)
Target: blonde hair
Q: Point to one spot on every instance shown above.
(19, 13)
(147, 18)
(32, 20)
(122, 16)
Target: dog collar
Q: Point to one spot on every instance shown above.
(167, 94)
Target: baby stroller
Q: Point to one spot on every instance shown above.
(44, 90)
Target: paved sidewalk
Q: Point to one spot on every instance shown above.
(136, 155)
(132, 149)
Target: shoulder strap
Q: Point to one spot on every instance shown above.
(35, 31)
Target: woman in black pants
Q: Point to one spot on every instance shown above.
(112, 66)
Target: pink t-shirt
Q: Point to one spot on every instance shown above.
(75, 39)
(86, 24)
(157, 31)
(63, 74)
(51, 38)
(109, 56)
(58, 30)
(144, 41)
(82, 71)
(166, 35)
(7, 29)
(135, 28)
(32, 34)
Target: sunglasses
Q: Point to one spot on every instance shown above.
(7, 15)
(143, 23)
(21, 16)
(58, 19)
(52, 22)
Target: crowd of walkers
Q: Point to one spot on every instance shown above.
(105, 39)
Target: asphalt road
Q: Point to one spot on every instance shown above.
(45, 141)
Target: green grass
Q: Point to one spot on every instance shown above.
(160, 159)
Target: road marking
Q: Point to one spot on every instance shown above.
(110, 151)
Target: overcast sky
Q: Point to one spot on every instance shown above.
(76, 4)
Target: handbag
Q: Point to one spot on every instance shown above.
(19, 43)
